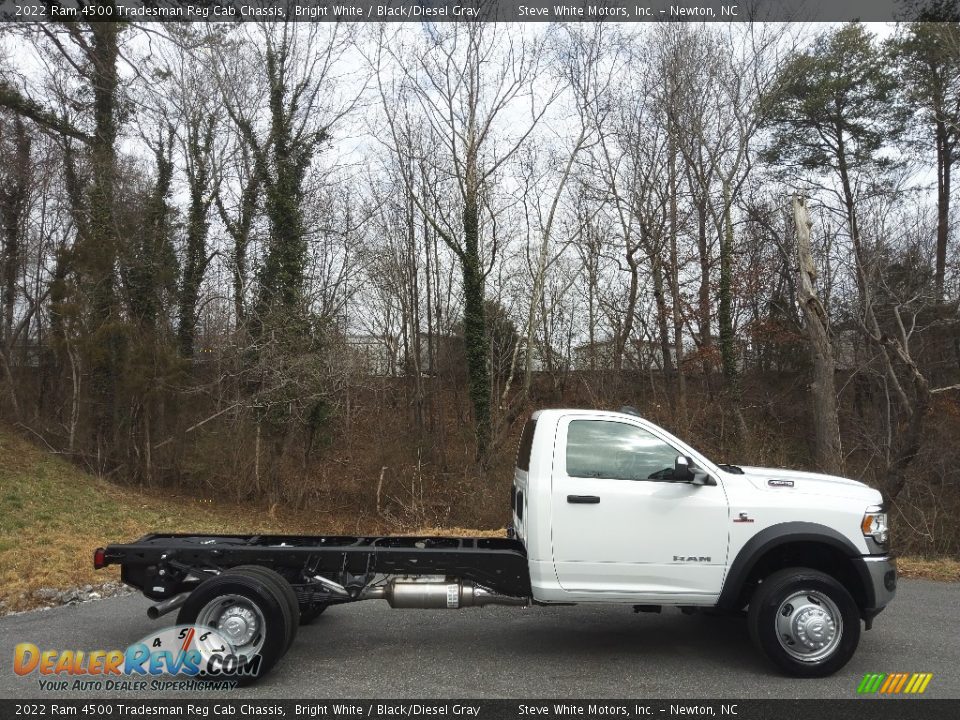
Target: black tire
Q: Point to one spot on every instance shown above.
(258, 590)
(780, 587)
(282, 586)
(309, 614)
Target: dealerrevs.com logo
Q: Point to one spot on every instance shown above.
(894, 683)
(193, 655)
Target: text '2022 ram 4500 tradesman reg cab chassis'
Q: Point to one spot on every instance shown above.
(607, 508)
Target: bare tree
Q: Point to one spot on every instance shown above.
(283, 131)
(92, 54)
(588, 63)
(465, 79)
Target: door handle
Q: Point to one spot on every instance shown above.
(583, 499)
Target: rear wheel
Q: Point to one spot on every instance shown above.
(250, 613)
(282, 587)
(805, 622)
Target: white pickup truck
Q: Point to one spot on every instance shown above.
(607, 508)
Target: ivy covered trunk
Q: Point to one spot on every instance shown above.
(288, 151)
(474, 323)
(281, 279)
(199, 143)
(98, 246)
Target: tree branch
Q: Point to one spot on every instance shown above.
(13, 100)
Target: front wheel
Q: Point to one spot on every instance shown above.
(805, 622)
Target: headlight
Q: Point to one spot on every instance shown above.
(874, 525)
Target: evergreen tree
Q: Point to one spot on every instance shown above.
(832, 110)
(929, 64)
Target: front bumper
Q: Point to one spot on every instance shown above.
(879, 575)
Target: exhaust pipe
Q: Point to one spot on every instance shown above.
(168, 605)
(410, 593)
(335, 588)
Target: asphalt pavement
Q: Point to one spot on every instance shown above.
(367, 650)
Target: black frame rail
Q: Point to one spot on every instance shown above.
(164, 565)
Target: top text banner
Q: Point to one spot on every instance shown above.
(459, 10)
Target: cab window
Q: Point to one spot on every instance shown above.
(617, 451)
(526, 445)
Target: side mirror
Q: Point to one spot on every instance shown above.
(701, 478)
(682, 472)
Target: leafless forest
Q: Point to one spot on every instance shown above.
(335, 266)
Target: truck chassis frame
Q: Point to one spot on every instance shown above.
(319, 568)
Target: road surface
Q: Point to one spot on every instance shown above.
(368, 650)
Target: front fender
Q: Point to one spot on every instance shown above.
(771, 538)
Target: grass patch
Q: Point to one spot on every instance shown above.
(53, 516)
(944, 569)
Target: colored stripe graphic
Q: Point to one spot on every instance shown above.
(889, 682)
(871, 682)
(903, 681)
(894, 683)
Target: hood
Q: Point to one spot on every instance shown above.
(808, 483)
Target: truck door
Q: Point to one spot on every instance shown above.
(620, 526)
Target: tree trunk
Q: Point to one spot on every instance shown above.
(626, 329)
(198, 146)
(728, 350)
(97, 252)
(728, 347)
(663, 331)
(239, 231)
(827, 454)
(944, 166)
(413, 321)
(706, 337)
(474, 325)
(853, 224)
(193, 270)
(681, 399)
(13, 198)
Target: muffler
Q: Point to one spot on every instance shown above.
(409, 593)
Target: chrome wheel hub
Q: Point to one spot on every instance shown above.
(809, 626)
(814, 628)
(239, 624)
(238, 620)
